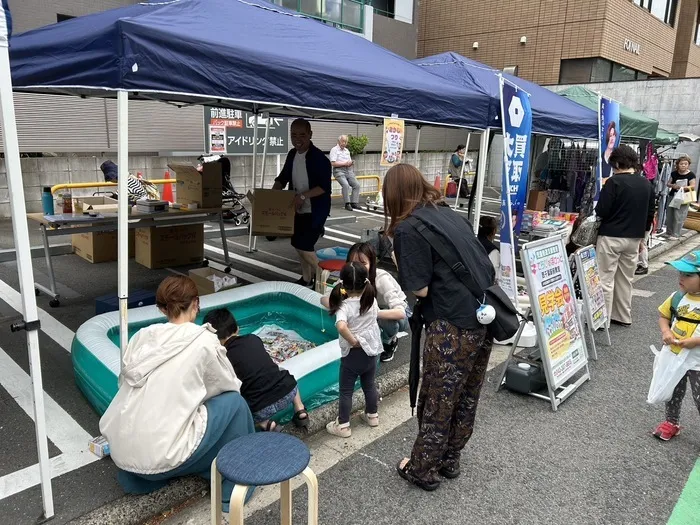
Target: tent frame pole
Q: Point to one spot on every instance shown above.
(122, 220)
(461, 174)
(416, 160)
(30, 322)
(264, 163)
(481, 175)
(251, 240)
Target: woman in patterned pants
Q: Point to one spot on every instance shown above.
(457, 347)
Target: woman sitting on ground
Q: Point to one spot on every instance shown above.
(178, 402)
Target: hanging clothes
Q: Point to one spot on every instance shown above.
(651, 164)
(661, 188)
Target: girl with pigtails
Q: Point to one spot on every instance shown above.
(353, 303)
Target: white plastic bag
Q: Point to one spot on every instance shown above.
(669, 369)
(677, 200)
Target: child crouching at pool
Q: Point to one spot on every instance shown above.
(353, 303)
(266, 387)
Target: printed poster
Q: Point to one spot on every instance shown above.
(392, 143)
(555, 302)
(591, 288)
(232, 132)
(608, 138)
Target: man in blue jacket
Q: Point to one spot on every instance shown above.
(307, 171)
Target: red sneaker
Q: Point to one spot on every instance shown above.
(666, 430)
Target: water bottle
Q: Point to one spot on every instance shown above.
(47, 201)
(556, 212)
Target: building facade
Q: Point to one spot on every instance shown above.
(568, 41)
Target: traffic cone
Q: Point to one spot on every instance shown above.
(167, 194)
(437, 183)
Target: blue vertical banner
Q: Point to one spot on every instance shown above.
(517, 132)
(608, 139)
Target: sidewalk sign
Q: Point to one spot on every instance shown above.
(392, 143)
(592, 291)
(554, 312)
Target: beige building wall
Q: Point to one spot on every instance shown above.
(556, 30)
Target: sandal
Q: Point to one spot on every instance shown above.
(270, 427)
(425, 485)
(299, 421)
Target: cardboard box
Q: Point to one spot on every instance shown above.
(205, 286)
(98, 247)
(537, 200)
(273, 212)
(171, 246)
(99, 446)
(98, 204)
(203, 188)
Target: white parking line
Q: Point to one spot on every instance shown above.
(70, 438)
(341, 232)
(49, 325)
(241, 275)
(283, 258)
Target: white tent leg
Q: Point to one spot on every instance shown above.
(251, 241)
(461, 174)
(26, 273)
(417, 160)
(122, 220)
(481, 175)
(264, 162)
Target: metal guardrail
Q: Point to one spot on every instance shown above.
(83, 185)
(374, 189)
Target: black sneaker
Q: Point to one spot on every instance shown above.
(641, 270)
(355, 206)
(348, 207)
(306, 284)
(389, 351)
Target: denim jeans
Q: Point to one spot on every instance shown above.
(389, 328)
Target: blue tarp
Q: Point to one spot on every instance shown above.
(251, 54)
(552, 114)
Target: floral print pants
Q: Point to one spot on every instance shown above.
(454, 366)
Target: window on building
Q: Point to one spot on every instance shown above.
(346, 14)
(63, 18)
(697, 26)
(664, 10)
(585, 70)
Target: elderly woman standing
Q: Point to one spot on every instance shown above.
(178, 402)
(342, 171)
(626, 209)
(457, 347)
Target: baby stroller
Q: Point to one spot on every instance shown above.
(237, 212)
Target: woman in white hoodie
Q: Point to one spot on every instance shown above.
(178, 401)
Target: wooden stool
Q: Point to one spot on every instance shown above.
(263, 458)
(324, 270)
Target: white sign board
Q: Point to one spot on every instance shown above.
(591, 288)
(553, 302)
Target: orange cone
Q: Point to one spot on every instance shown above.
(437, 183)
(167, 194)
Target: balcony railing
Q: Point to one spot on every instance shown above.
(344, 14)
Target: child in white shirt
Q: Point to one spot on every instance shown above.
(356, 311)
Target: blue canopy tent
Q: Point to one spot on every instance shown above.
(243, 54)
(552, 114)
(249, 55)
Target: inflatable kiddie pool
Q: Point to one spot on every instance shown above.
(95, 348)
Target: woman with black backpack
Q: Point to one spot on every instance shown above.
(457, 347)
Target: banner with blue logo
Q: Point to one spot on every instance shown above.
(517, 131)
(608, 139)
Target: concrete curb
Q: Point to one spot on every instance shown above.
(670, 245)
(136, 509)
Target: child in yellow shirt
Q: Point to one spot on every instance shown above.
(679, 322)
